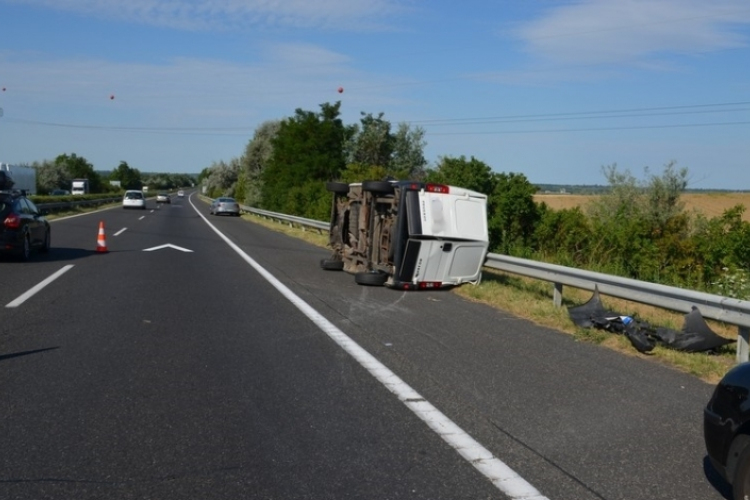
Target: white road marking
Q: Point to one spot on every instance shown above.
(168, 245)
(141, 217)
(33, 291)
(118, 233)
(503, 477)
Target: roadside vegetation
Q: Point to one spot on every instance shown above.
(635, 227)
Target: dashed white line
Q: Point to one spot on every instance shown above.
(118, 233)
(503, 477)
(33, 291)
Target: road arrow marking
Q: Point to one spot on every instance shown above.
(168, 245)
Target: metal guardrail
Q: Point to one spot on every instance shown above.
(727, 310)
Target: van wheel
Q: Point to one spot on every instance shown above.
(337, 187)
(332, 265)
(371, 278)
(378, 187)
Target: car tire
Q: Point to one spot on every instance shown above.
(337, 188)
(332, 264)
(741, 479)
(25, 253)
(371, 278)
(47, 243)
(378, 187)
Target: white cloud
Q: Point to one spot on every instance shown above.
(635, 31)
(343, 15)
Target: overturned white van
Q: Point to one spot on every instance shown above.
(407, 235)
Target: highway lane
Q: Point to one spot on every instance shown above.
(574, 420)
(170, 374)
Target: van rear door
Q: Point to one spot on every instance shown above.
(440, 263)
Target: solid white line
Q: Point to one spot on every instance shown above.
(503, 477)
(118, 233)
(23, 298)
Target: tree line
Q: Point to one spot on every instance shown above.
(57, 174)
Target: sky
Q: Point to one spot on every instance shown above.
(555, 90)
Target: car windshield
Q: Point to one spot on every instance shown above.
(133, 196)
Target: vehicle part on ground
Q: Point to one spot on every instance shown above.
(696, 335)
(374, 278)
(332, 265)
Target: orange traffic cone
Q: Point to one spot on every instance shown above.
(101, 240)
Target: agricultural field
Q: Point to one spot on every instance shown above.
(709, 204)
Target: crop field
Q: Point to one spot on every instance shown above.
(709, 204)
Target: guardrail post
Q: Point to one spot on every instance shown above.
(743, 343)
(557, 295)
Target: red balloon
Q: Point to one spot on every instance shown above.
(3, 89)
(341, 89)
(112, 96)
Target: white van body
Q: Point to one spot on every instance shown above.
(408, 235)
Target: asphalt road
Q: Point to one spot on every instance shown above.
(242, 370)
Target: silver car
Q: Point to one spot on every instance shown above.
(225, 205)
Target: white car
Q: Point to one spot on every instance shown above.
(408, 235)
(134, 199)
(180, 193)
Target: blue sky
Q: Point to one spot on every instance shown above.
(552, 89)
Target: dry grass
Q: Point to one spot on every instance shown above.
(708, 204)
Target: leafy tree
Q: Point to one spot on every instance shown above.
(130, 178)
(221, 178)
(408, 161)
(513, 215)
(77, 167)
(470, 174)
(640, 223)
(258, 153)
(371, 143)
(308, 148)
(50, 176)
(563, 236)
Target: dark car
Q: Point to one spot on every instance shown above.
(22, 226)
(726, 429)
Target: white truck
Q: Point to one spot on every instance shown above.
(24, 178)
(79, 186)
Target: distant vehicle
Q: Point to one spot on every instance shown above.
(180, 193)
(225, 205)
(407, 235)
(79, 186)
(23, 178)
(59, 192)
(23, 226)
(163, 198)
(726, 429)
(134, 199)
